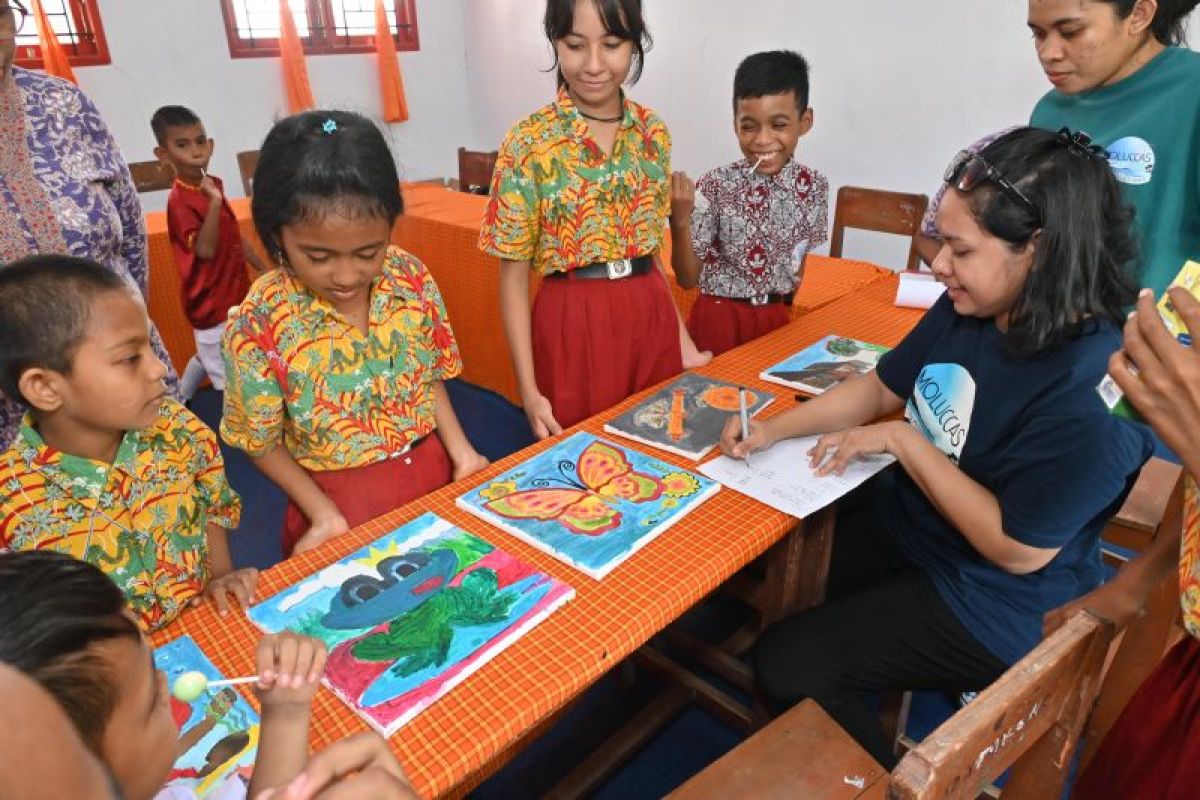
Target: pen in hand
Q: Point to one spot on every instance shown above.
(745, 420)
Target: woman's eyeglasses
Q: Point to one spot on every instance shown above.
(968, 170)
(12, 19)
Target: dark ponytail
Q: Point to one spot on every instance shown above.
(1170, 21)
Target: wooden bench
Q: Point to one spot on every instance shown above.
(1030, 720)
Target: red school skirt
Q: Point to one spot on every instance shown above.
(719, 324)
(597, 341)
(364, 493)
(1152, 751)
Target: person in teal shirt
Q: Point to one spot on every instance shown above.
(1120, 74)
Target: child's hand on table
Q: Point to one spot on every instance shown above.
(468, 464)
(240, 583)
(320, 531)
(540, 416)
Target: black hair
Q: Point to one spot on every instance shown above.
(1170, 20)
(169, 117)
(1084, 249)
(57, 609)
(45, 305)
(621, 18)
(322, 161)
(232, 744)
(772, 72)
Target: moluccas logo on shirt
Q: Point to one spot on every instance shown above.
(1131, 160)
(941, 405)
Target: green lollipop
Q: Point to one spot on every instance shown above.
(190, 685)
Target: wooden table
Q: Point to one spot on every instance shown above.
(467, 735)
(441, 227)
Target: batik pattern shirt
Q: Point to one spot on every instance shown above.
(298, 374)
(754, 230)
(1189, 558)
(57, 155)
(142, 519)
(559, 202)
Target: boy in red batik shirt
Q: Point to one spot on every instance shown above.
(209, 249)
(764, 212)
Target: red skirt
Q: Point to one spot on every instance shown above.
(1153, 749)
(364, 493)
(718, 325)
(595, 342)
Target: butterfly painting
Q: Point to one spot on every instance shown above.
(589, 502)
(687, 415)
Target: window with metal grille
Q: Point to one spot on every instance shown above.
(324, 26)
(76, 23)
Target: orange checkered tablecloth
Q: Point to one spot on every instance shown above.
(441, 227)
(472, 731)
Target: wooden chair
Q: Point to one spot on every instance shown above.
(1030, 720)
(475, 170)
(875, 210)
(247, 163)
(151, 176)
(1150, 504)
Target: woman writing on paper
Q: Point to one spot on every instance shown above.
(1008, 463)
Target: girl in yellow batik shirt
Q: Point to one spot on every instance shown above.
(335, 362)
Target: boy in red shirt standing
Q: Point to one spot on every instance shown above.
(209, 249)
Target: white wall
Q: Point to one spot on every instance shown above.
(897, 88)
(175, 51)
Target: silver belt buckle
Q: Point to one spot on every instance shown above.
(622, 268)
(759, 300)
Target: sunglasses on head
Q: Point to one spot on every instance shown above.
(968, 170)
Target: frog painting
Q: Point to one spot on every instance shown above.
(412, 614)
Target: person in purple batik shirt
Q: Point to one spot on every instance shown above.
(64, 186)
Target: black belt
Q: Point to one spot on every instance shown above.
(610, 270)
(760, 300)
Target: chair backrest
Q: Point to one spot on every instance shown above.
(1030, 719)
(875, 210)
(151, 176)
(247, 163)
(475, 170)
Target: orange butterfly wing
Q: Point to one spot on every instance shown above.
(577, 510)
(605, 469)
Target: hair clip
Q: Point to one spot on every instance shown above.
(1080, 144)
(330, 127)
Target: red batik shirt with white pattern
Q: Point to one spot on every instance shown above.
(753, 234)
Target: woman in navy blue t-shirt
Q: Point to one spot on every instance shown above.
(1008, 462)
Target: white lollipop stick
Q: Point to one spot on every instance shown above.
(756, 163)
(233, 681)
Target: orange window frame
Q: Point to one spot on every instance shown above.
(323, 37)
(89, 48)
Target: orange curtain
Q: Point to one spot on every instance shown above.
(54, 58)
(291, 55)
(391, 83)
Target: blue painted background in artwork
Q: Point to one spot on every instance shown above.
(557, 467)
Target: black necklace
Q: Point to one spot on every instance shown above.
(585, 115)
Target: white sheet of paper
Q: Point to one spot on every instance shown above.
(782, 478)
(918, 290)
